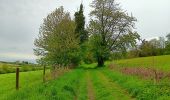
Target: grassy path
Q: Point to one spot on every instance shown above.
(91, 95)
(117, 90)
(105, 89)
(82, 84)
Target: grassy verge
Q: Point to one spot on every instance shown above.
(27, 79)
(88, 83)
(140, 89)
(158, 62)
(67, 87)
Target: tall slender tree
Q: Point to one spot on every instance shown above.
(80, 25)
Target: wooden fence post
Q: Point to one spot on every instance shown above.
(17, 78)
(44, 73)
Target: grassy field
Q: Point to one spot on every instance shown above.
(83, 84)
(69, 86)
(27, 79)
(11, 67)
(158, 62)
(88, 83)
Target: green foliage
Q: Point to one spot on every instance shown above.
(111, 27)
(167, 43)
(168, 37)
(153, 47)
(80, 25)
(167, 49)
(82, 34)
(147, 49)
(5, 68)
(57, 42)
(86, 53)
(98, 49)
(89, 58)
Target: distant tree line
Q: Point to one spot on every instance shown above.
(153, 47)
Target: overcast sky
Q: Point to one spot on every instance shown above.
(20, 21)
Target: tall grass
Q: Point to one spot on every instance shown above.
(140, 89)
(107, 90)
(27, 79)
(158, 62)
(70, 86)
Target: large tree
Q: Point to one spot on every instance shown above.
(57, 42)
(110, 28)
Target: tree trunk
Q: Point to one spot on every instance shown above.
(100, 61)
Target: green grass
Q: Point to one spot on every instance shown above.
(140, 89)
(67, 87)
(82, 84)
(88, 66)
(158, 62)
(105, 89)
(27, 79)
(11, 68)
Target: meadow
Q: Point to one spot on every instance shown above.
(157, 62)
(11, 67)
(86, 83)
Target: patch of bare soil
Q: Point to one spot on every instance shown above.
(146, 73)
